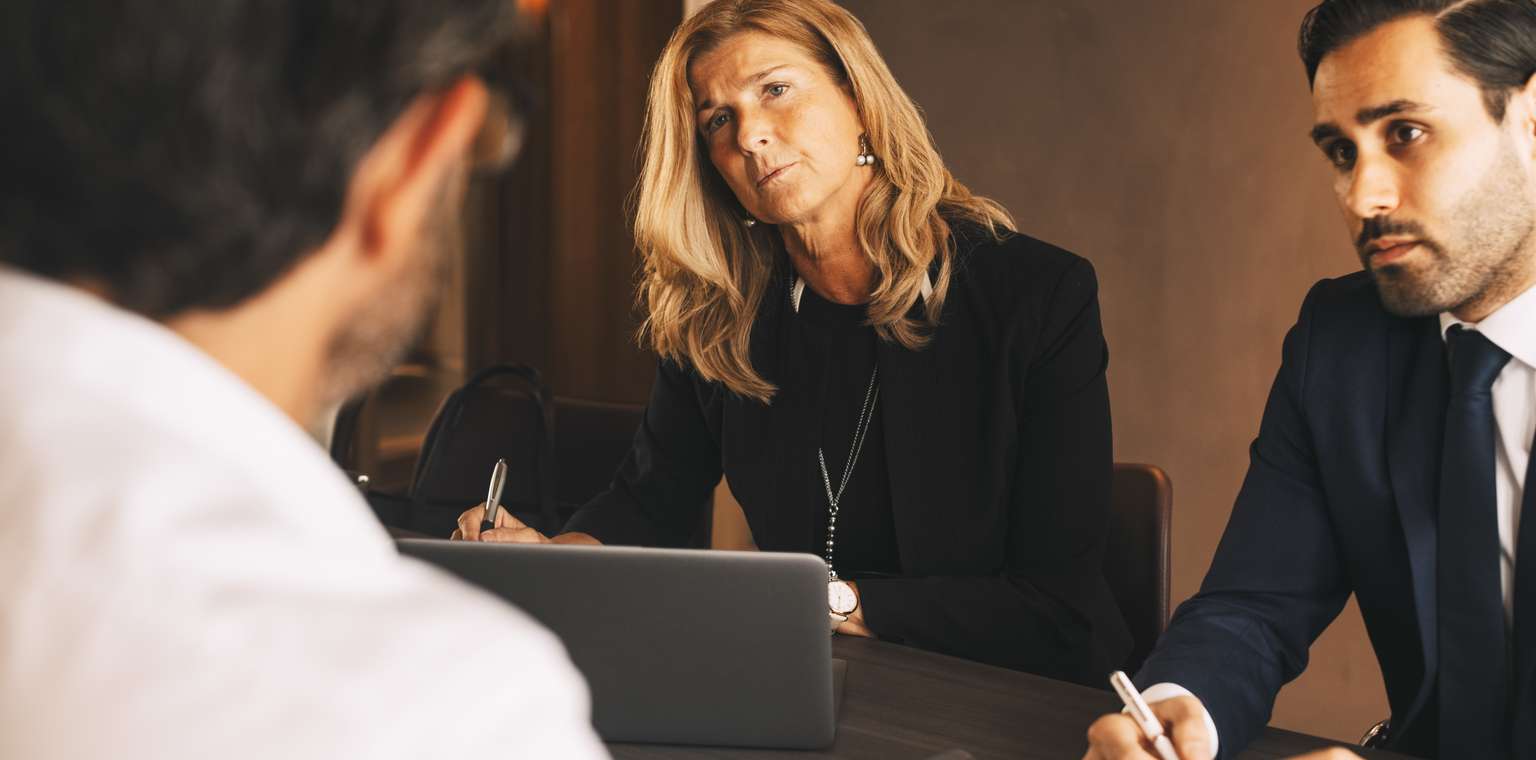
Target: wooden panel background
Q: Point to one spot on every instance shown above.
(552, 268)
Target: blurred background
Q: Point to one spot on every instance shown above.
(1165, 142)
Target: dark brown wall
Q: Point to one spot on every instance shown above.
(1166, 142)
(552, 282)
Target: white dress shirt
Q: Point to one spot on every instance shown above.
(184, 574)
(1512, 328)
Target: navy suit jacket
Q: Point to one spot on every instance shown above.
(1340, 497)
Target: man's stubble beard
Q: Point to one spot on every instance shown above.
(374, 340)
(1489, 233)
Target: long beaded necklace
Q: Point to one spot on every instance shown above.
(866, 417)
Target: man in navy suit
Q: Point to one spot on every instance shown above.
(1392, 459)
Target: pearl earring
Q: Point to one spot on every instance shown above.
(865, 157)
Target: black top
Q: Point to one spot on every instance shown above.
(998, 457)
(866, 529)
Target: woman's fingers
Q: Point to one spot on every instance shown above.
(518, 535)
(469, 522)
(469, 527)
(504, 519)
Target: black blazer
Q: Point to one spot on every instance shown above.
(1340, 497)
(998, 448)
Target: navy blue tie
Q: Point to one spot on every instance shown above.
(1474, 669)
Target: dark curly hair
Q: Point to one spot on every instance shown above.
(186, 153)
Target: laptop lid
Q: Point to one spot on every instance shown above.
(679, 646)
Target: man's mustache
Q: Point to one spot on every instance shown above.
(1379, 226)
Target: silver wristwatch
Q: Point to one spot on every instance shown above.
(841, 602)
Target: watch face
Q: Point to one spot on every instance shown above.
(841, 598)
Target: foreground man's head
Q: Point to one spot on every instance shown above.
(266, 178)
(271, 180)
(1426, 112)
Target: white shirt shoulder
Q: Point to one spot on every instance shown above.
(183, 574)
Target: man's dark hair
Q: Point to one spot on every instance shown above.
(186, 153)
(1491, 41)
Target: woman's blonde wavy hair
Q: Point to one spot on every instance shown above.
(706, 273)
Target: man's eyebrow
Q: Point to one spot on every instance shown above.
(1366, 116)
(1376, 113)
(755, 78)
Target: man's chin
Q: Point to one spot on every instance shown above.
(1405, 293)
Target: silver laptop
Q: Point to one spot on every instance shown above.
(679, 646)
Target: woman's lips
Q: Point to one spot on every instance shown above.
(774, 174)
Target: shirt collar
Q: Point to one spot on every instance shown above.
(1512, 327)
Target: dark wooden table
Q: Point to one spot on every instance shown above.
(901, 703)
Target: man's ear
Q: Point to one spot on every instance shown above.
(398, 181)
(1522, 106)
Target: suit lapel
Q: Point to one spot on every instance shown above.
(794, 429)
(912, 407)
(1417, 385)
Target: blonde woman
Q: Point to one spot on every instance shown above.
(889, 377)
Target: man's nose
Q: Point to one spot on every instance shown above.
(1373, 187)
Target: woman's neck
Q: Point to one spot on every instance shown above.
(830, 261)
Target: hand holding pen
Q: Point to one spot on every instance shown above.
(1144, 732)
(489, 522)
(1136, 707)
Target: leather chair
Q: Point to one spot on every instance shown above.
(589, 443)
(1136, 555)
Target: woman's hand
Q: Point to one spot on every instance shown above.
(854, 625)
(509, 530)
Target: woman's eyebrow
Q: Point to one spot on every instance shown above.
(754, 79)
(766, 73)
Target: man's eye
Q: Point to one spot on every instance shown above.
(1341, 153)
(1404, 134)
(778, 89)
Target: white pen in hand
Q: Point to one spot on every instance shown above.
(1151, 727)
(493, 499)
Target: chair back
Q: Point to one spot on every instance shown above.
(552, 469)
(591, 442)
(476, 425)
(1136, 555)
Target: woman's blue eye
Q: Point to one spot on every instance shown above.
(777, 89)
(717, 122)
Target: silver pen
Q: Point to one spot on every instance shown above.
(493, 498)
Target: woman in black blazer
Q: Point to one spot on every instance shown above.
(887, 376)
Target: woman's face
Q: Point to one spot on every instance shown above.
(783, 134)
